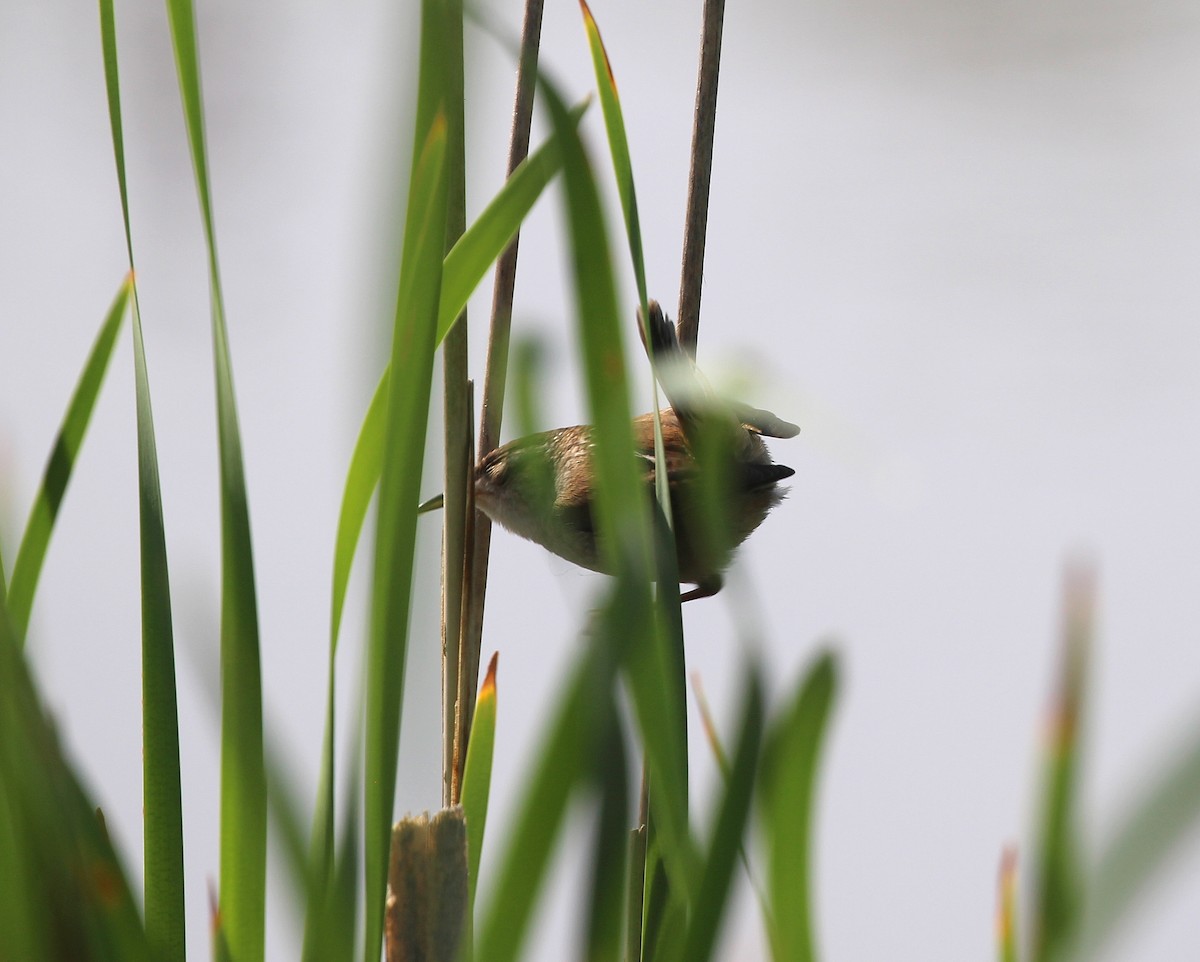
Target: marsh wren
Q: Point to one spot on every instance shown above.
(541, 486)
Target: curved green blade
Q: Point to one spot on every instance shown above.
(788, 778)
(32, 553)
(162, 805)
(1142, 847)
(722, 855)
(618, 143)
(1057, 905)
(70, 894)
(242, 897)
(477, 775)
(561, 764)
(413, 345)
(464, 267)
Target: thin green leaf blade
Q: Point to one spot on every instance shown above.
(53, 843)
(112, 88)
(332, 907)
(464, 267)
(656, 671)
(243, 774)
(321, 846)
(25, 925)
(1058, 892)
(1006, 909)
(618, 142)
(607, 901)
(1141, 847)
(623, 520)
(562, 762)
(407, 413)
(722, 855)
(162, 804)
(477, 775)
(789, 777)
(492, 231)
(161, 783)
(27, 567)
(366, 465)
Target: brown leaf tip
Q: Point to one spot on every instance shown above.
(594, 28)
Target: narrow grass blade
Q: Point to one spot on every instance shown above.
(243, 775)
(28, 564)
(665, 922)
(607, 901)
(321, 846)
(726, 843)
(789, 776)
(657, 671)
(162, 794)
(463, 269)
(287, 820)
(722, 760)
(710, 727)
(329, 928)
(487, 237)
(366, 465)
(348, 870)
(55, 854)
(623, 521)
(112, 87)
(162, 806)
(1058, 894)
(618, 143)
(216, 927)
(1142, 847)
(562, 764)
(404, 446)
(635, 891)
(25, 927)
(283, 799)
(477, 776)
(1006, 908)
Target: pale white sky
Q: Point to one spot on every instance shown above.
(956, 243)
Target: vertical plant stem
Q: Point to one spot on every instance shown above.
(696, 225)
(637, 872)
(457, 409)
(494, 380)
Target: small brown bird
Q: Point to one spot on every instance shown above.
(541, 486)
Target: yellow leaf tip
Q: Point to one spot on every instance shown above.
(488, 690)
(1006, 907)
(214, 911)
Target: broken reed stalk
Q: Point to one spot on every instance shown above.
(426, 910)
(699, 179)
(471, 637)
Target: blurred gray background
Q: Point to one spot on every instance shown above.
(956, 242)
